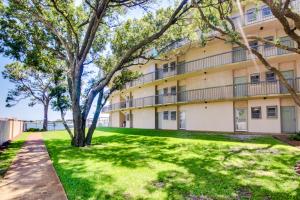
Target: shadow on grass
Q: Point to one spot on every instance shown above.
(7, 155)
(214, 170)
(183, 134)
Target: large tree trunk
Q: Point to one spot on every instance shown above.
(78, 119)
(45, 120)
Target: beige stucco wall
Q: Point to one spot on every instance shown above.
(208, 80)
(168, 124)
(264, 125)
(144, 118)
(209, 117)
(115, 117)
(143, 92)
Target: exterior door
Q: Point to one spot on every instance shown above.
(241, 119)
(240, 86)
(289, 76)
(288, 119)
(160, 120)
(182, 120)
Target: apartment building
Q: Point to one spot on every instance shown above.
(219, 87)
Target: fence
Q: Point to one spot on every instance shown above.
(58, 125)
(9, 129)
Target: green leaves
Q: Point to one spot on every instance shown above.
(124, 77)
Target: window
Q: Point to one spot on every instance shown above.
(251, 15)
(173, 115)
(253, 45)
(266, 11)
(270, 38)
(256, 112)
(270, 77)
(172, 66)
(165, 91)
(166, 115)
(254, 78)
(165, 67)
(173, 90)
(127, 117)
(271, 111)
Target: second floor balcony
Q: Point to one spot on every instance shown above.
(227, 92)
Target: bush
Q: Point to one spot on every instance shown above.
(295, 136)
(34, 130)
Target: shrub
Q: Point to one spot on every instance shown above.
(34, 130)
(295, 136)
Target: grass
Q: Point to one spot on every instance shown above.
(7, 156)
(155, 164)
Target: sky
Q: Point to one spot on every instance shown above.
(22, 111)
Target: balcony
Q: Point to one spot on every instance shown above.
(235, 56)
(228, 92)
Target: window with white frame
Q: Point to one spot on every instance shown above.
(165, 67)
(254, 78)
(269, 38)
(266, 11)
(272, 112)
(172, 66)
(165, 91)
(166, 115)
(254, 44)
(251, 15)
(173, 115)
(256, 112)
(270, 77)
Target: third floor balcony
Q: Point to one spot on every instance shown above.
(237, 55)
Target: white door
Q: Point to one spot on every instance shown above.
(241, 119)
(288, 119)
(160, 120)
(182, 120)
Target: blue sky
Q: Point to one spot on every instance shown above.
(22, 110)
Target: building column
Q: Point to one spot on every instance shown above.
(177, 106)
(155, 108)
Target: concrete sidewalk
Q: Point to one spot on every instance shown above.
(32, 175)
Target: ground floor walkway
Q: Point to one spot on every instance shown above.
(32, 176)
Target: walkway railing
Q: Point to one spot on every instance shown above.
(227, 92)
(235, 56)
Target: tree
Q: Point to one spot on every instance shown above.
(83, 35)
(30, 84)
(216, 16)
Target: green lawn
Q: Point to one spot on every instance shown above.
(151, 164)
(7, 156)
